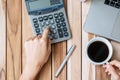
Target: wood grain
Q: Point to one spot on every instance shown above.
(100, 74)
(94, 72)
(58, 54)
(16, 29)
(3, 40)
(45, 73)
(88, 69)
(74, 15)
(13, 39)
(26, 30)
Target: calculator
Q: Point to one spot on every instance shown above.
(50, 13)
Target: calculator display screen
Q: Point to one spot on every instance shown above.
(39, 4)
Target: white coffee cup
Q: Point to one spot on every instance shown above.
(107, 43)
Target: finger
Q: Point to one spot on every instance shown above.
(109, 73)
(104, 66)
(115, 63)
(45, 34)
(119, 74)
(49, 43)
(113, 72)
(34, 38)
(29, 39)
(106, 70)
(39, 36)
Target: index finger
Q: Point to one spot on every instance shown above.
(45, 33)
(115, 63)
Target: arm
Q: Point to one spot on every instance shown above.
(37, 50)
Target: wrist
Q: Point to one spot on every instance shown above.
(30, 72)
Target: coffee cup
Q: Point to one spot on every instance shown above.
(99, 51)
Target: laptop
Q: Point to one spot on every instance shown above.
(104, 19)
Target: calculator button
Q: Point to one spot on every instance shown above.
(118, 1)
(42, 29)
(62, 19)
(112, 3)
(115, 0)
(60, 33)
(50, 16)
(117, 5)
(53, 26)
(56, 15)
(40, 19)
(35, 20)
(51, 21)
(42, 24)
(37, 30)
(63, 24)
(51, 30)
(54, 31)
(107, 2)
(38, 34)
(66, 34)
(59, 25)
(65, 29)
(45, 18)
(50, 37)
(47, 23)
(61, 14)
(55, 36)
(57, 20)
(36, 25)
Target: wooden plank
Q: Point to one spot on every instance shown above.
(94, 72)
(74, 16)
(3, 40)
(45, 73)
(58, 54)
(26, 30)
(88, 69)
(13, 39)
(100, 74)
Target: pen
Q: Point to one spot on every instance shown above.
(65, 60)
(82, 0)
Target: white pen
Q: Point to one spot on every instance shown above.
(82, 0)
(65, 60)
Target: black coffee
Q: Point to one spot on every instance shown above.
(98, 51)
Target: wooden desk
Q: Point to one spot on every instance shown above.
(15, 29)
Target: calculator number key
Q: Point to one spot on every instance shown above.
(60, 32)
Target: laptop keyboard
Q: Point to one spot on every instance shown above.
(113, 3)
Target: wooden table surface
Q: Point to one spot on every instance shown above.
(15, 29)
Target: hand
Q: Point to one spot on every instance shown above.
(111, 69)
(37, 50)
